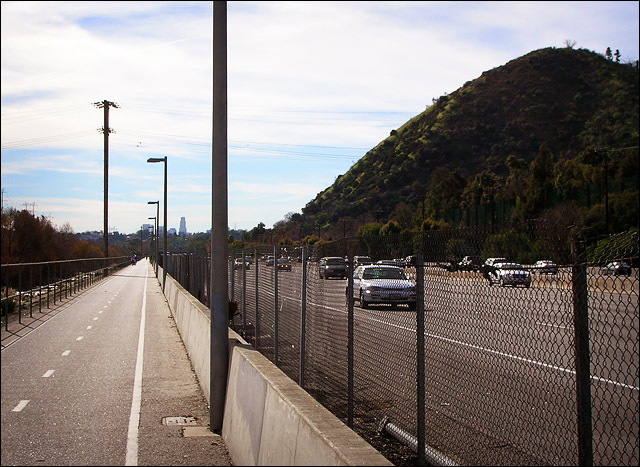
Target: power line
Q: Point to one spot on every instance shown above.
(46, 139)
(10, 118)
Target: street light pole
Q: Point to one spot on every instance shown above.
(157, 218)
(164, 228)
(155, 236)
(219, 304)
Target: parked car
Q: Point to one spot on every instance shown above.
(284, 264)
(546, 266)
(388, 262)
(512, 274)
(269, 261)
(381, 284)
(470, 263)
(237, 264)
(488, 266)
(361, 260)
(332, 266)
(616, 268)
(492, 261)
(450, 266)
(410, 261)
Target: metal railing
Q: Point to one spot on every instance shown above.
(44, 284)
(480, 372)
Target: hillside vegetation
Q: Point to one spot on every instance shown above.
(553, 129)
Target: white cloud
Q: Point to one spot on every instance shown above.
(297, 73)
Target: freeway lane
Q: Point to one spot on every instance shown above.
(500, 379)
(92, 384)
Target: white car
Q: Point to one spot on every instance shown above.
(546, 266)
(378, 284)
(512, 274)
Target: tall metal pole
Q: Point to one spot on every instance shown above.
(219, 349)
(164, 228)
(606, 190)
(154, 160)
(155, 233)
(154, 253)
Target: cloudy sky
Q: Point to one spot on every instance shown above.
(312, 86)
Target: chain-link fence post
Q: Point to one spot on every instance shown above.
(255, 286)
(420, 361)
(257, 323)
(275, 304)
(244, 295)
(233, 276)
(303, 316)
(350, 340)
(582, 357)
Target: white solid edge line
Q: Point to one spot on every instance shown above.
(134, 418)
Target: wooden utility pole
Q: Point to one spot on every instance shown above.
(106, 130)
(33, 208)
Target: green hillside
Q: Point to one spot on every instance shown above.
(541, 126)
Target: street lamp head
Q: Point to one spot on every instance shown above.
(153, 202)
(157, 159)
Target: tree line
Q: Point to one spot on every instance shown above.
(27, 238)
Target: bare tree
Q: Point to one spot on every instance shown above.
(570, 43)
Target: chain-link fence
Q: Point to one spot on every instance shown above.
(523, 362)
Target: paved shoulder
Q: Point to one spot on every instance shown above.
(174, 415)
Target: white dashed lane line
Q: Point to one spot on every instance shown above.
(23, 403)
(20, 406)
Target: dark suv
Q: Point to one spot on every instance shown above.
(333, 266)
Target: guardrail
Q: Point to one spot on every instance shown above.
(38, 284)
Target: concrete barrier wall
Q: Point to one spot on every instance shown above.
(194, 324)
(268, 418)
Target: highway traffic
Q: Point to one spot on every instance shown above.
(500, 367)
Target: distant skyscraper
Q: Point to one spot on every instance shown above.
(183, 226)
